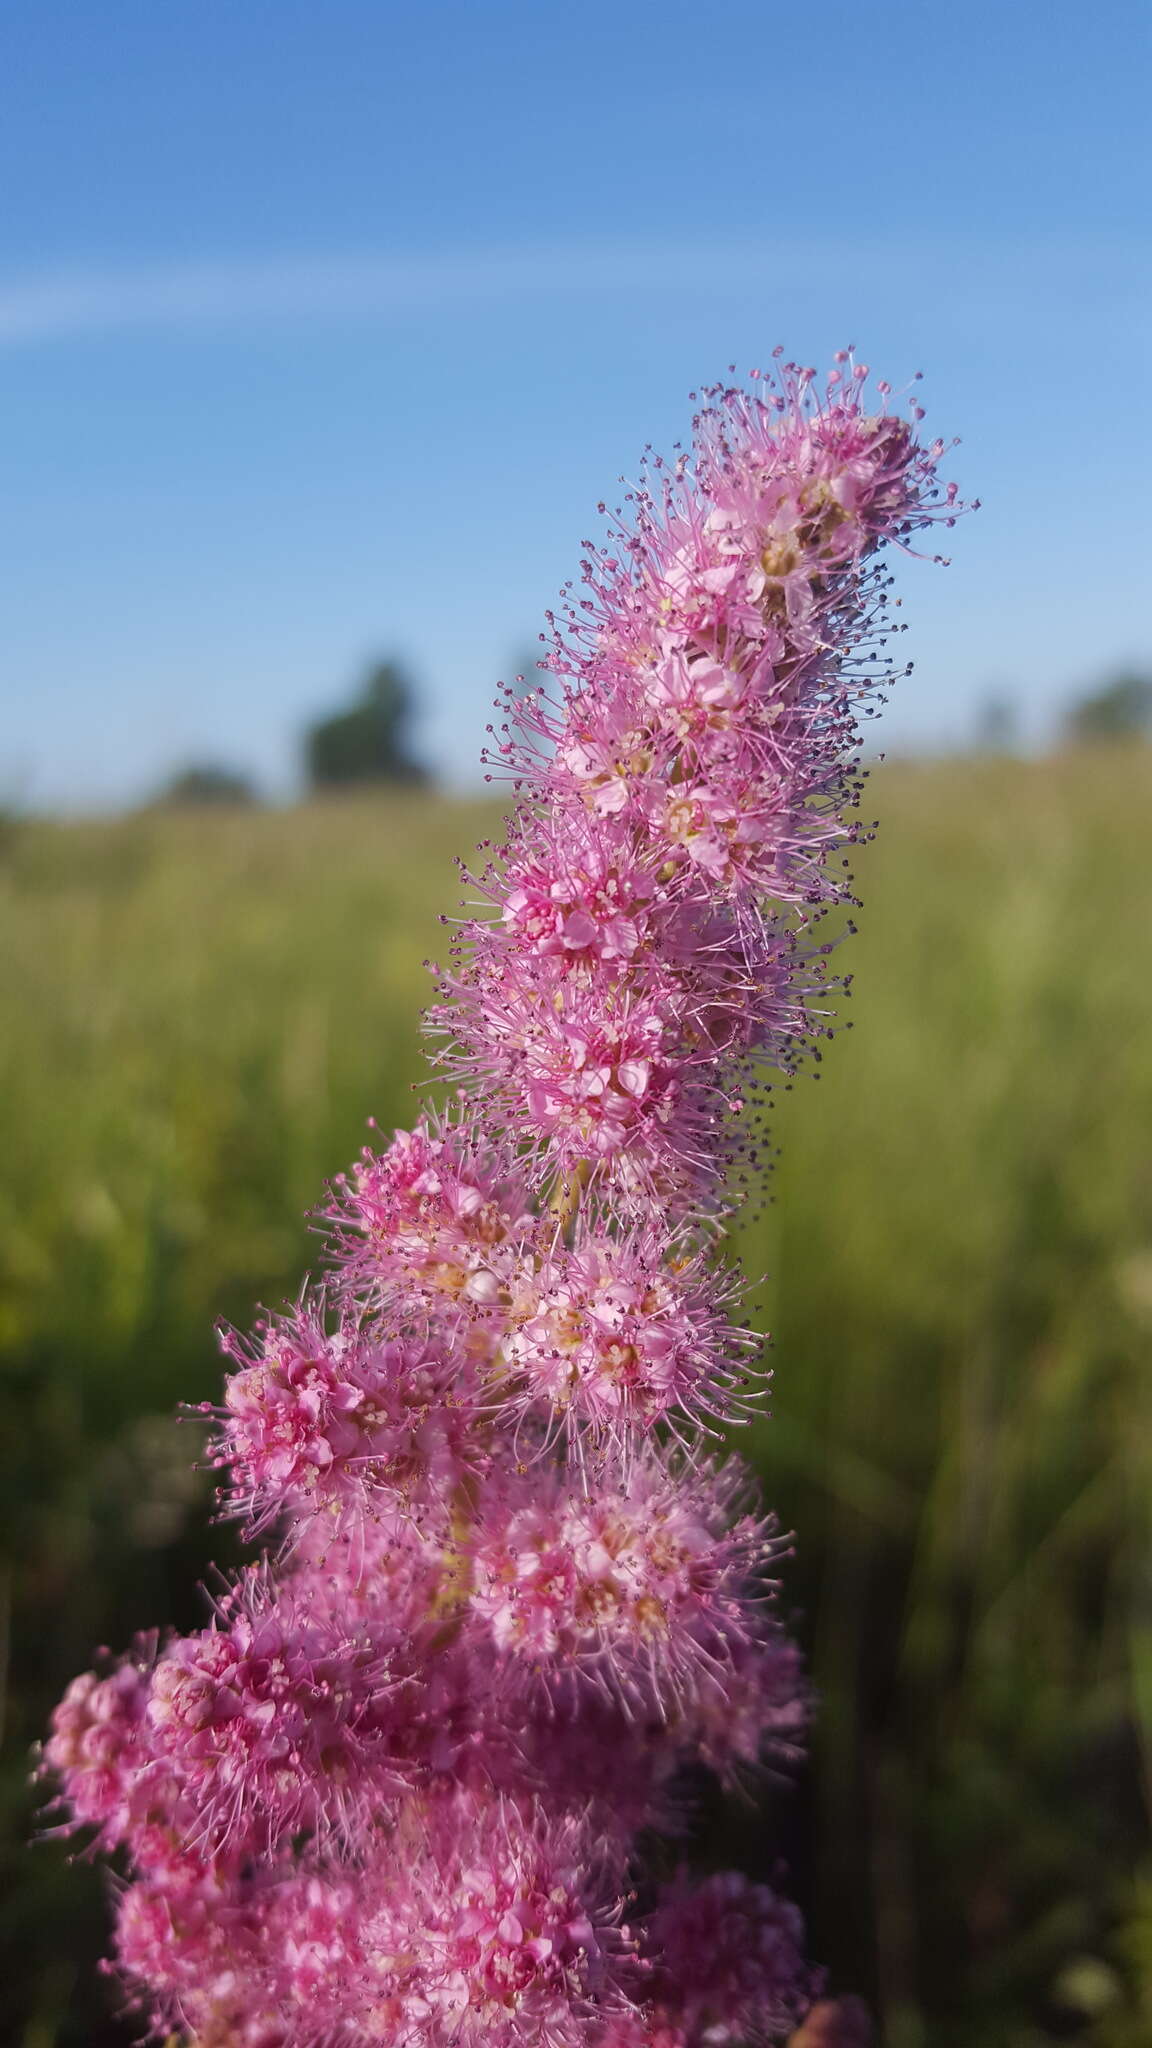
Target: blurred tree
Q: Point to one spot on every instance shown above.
(207, 782)
(997, 725)
(368, 742)
(1121, 709)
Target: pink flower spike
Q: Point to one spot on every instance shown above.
(399, 1791)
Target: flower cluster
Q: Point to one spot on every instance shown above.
(397, 1789)
(651, 948)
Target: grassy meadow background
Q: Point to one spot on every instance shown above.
(199, 1010)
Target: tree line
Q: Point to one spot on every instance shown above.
(368, 743)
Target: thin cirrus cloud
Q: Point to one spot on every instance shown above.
(76, 300)
(79, 300)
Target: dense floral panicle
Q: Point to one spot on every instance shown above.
(619, 1333)
(395, 1579)
(281, 1717)
(179, 1947)
(733, 813)
(575, 891)
(397, 1791)
(737, 985)
(99, 1751)
(460, 1729)
(728, 810)
(348, 1422)
(633, 1589)
(94, 1732)
(432, 1221)
(628, 1096)
(730, 1963)
(593, 1065)
(521, 1929)
(819, 465)
(754, 1709)
(596, 1759)
(704, 756)
(386, 1569)
(728, 1972)
(484, 1925)
(788, 489)
(632, 1065)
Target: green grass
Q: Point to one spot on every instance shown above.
(199, 1012)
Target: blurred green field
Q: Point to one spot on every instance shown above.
(197, 1014)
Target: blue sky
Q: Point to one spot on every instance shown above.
(323, 328)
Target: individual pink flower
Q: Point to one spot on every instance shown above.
(577, 893)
